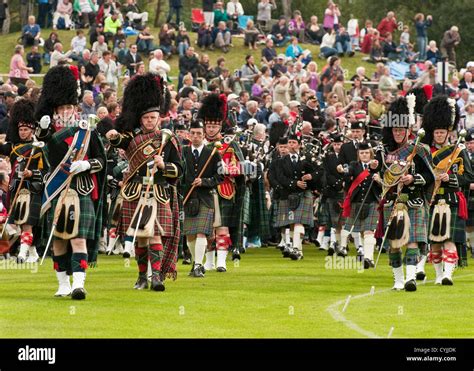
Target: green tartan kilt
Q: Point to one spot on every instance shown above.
(201, 223)
(274, 212)
(457, 226)
(302, 215)
(418, 223)
(330, 213)
(87, 217)
(229, 213)
(362, 225)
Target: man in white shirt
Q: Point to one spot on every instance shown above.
(109, 68)
(158, 65)
(78, 44)
(234, 10)
(58, 55)
(100, 46)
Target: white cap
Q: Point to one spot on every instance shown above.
(470, 64)
(232, 96)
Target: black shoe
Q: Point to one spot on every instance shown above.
(368, 263)
(78, 294)
(221, 269)
(235, 255)
(126, 255)
(197, 272)
(331, 251)
(342, 252)
(351, 54)
(286, 252)
(186, 261)
(317, 244)
(447, 282)
(141, 284)
(420, 276)
(157, 285)
(410, 285)
(281, 247)
(295, 255)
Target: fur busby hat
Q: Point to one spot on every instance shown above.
(213, 110)
(283, 140)
(397, 116)
(440, 113)
(22, 114)
(423, 96)
(143, 94)
(61, 86)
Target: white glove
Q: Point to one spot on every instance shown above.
(79, 166)
(45, 122)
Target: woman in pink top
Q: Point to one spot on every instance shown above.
(18, 69)
(332, 14)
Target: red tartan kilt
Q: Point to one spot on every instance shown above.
(164, 218)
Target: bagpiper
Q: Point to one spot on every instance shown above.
(452, 167)
(202, 175)
(150, 210)
(74, 191)
(405, 176)
(361, 200)
(26, 179)
(231, 190)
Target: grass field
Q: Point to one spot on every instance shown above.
(266, 296)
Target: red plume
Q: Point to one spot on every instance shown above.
(75, 71)
(223, 99)
(428, 89)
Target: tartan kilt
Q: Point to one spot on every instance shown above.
(164, 217)
(328, 214)
(418, 223)
(324, 216)
(201, 223)
(87, 217)
(457, 226)
(274, 212)
(34, 210)
(302, 215)
(362, 225)
(229, 212)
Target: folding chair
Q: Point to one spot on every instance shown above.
(243, 19)
(197, 19)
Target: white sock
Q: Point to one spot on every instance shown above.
(200, 249)
(338, 236)
(325, 243)
(298, 234)
(369, 246)
(192, 248)
(344, 237)
(78, 279)
(357, 239)
(221, 257)
(287, 236)
(333, 235)
(320, 236)
(420, 267)
(282, 239)
(210, 260)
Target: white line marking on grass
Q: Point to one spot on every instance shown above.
(339, 317)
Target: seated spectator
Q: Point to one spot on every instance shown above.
(188, 63)
(312, 114)
(257, 88)
(134, 14)
(249, 69)
(250, 111)
(182, 41)
(234, 10)
(387, 82)
(220, 15)
(100, 46)
(109, 68)
(376, 52)
(281, 90)
(204, 69)
(33, 59)
(279, 68)
(78, 44)
(204, 39)
(221, 37)
(267, 79)
(166, 37)
(63, 10)
(269, 52)
(111, 25)
(220, 65)
(49, 46)
(58, 56)
(279, 33)
(87, 106)
(469, 119)
(94, 32)
(120, 52)
(406, 87)
(356, 88)
(31, 32)
(360, 74)
(467, 82)
(328, 45)
(86, 10)
(251, 35)
(108, 8)
(312, 76)
(224, 82)
(296, 26)
(412, 73)
(432, 53)
(314, 31)
(390, 49)
(294, 52)
(343, 43)
(145, 41)
(376, 107)
(264, 12)
(158, 65)
(118, 37)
